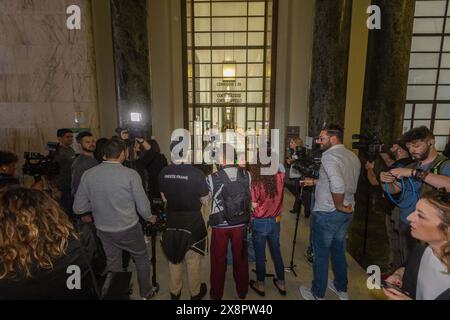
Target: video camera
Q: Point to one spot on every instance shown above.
(307, 163)
(370, 144)
(161, 219)
(38, 165)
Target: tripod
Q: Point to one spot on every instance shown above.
(299, 195)
(153, 259)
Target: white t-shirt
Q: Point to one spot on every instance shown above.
(433, 279)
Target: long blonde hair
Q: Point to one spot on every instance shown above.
(34, 232)
(441, 201)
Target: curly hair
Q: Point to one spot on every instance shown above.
(269, 182)
(420, 133)
(441, 201)
(34, 232)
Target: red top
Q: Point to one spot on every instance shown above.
(266, 207)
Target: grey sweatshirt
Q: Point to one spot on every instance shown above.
(113, 193)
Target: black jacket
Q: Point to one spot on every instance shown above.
(52, 284)
(152, 162)
(6, 181)
(411, 275)
(185, 230)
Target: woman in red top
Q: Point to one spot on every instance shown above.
(267, 200)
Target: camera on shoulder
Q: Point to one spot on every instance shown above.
(370, 145)
(306, 163)
(38, 165)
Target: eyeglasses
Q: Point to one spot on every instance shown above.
(322, 138)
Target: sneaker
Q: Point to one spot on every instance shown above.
(309, 256)
(155, 290)
(341, 294)
(307, 294)
(202, 293)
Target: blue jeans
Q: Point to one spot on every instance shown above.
(328, 238)
(251, 251)
(267, 230)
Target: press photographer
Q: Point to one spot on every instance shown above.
(370, 144)
(430, 171)
(332, 214)
(133, 138)
(43, 169)
(399, 158)
(297, 153)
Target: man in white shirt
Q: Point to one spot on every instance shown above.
(332, 213)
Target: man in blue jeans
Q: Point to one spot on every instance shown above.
(332, 213)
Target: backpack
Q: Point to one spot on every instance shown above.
(236, 198)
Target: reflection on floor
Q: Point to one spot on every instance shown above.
(357, 276)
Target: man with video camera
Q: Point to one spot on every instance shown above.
(332, 213)
(430, 171)
(295, 148)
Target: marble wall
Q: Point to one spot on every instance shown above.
(47, 72)
(131, 60)
(332, 28)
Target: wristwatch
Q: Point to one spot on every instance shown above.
(420, 175)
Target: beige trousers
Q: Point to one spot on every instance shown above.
(192, 260)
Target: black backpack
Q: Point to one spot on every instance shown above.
(236, 198)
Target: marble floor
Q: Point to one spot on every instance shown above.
(357, 276)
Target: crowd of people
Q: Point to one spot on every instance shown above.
(113, 185)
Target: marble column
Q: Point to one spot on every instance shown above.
(131, 60)
(383, 103)
(328, 91)
(387, 69)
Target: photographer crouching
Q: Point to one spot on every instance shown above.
(332, 213)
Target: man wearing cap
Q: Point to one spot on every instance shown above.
(184, 189)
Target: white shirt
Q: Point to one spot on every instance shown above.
(339, 174)
(433, 279)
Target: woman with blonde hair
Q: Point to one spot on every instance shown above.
(426, 275)
(41, 256)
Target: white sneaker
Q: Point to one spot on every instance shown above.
(307, 294)
(341, 294)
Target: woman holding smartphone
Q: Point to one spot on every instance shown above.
(426, 275)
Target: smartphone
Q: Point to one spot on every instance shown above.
(385, 284)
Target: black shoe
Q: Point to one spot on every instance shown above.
(175, 297)
(293, 211)
(202, 293)
(281, 291)
(309, 257)
(253, 286)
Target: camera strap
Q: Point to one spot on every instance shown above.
(402, 196)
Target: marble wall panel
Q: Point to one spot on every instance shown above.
(46, 72)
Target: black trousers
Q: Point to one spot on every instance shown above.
(305, 200)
